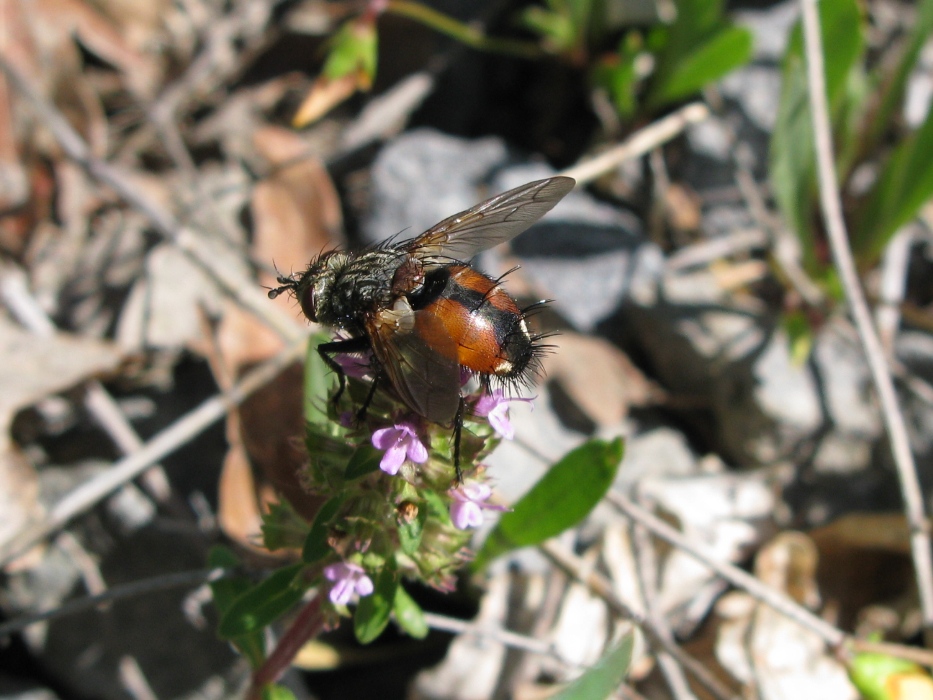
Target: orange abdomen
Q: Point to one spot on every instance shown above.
(486, 326)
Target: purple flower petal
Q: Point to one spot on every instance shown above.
(364, 585)
(417, 452)
(384, 438)
(468, 504)
(499, 420)
(393, 459)
(341, 592)
(465, 514)
(400, 442)
(348, 579)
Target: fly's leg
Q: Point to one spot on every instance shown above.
(458, 429)
(361, 414)
(342, 347)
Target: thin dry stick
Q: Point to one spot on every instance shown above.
(236, 286)
(646, 565)
(786, 250)
(99, 403)
(842, 255)
(734, 575)
(133, 589)
(185, 428)
(502, 636)
(639, 143)
(573, 566)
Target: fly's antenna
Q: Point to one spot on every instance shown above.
(288, 284)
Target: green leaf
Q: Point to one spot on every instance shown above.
(409, 615)
(723, 52)
(563, 497)
(904, 185)
(870, 673)
(793, 160)
(353, 50)
(276, 692)
(264, 603)
(365, 460)
(225, 591)
(316, 546)
(317, 382)
(892, 84)
(604, 677)
(372, 613)
(282, 527)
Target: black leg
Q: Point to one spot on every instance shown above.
(361, 414)
(458, 429)
(341, 347)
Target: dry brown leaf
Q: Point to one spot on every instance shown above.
(324, 95)
(238, 511)
(864, 560)
(761, 646)
(599, 377)
(297, 214)
(60, 20)
(34, 367)
(684, 207)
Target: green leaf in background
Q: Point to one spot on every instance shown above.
(409, 615)
(870, 674)
(724, 51)
(316, 546)
(263, 603)
(562, 498)
(793, 160)
(698, 48)
(604, 677)
(224, 592)
(904, 185)
(616, 74)
(372, 612)
(277, 692)
(354, 50)
(893, 85)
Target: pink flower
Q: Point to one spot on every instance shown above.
(348, 579)
(495, 406)
(400, 442)
(469, 502)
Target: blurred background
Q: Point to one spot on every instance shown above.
(163, 161)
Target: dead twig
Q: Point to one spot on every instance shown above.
(133, 589)
(237, 286)
(639, 143)
(181, 431)
(845, 264)
(741, 579)
(573, 566)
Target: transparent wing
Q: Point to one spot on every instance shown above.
(425, 377)
(489, 223)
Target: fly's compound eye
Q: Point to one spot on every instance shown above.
(306, 299)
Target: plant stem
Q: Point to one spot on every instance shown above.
(464, 33)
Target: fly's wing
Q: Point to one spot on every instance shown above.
(489, 223)
(426, 377)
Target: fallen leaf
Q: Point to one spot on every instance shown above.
(599, 377)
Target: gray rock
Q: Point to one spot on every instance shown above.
(423, 177)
